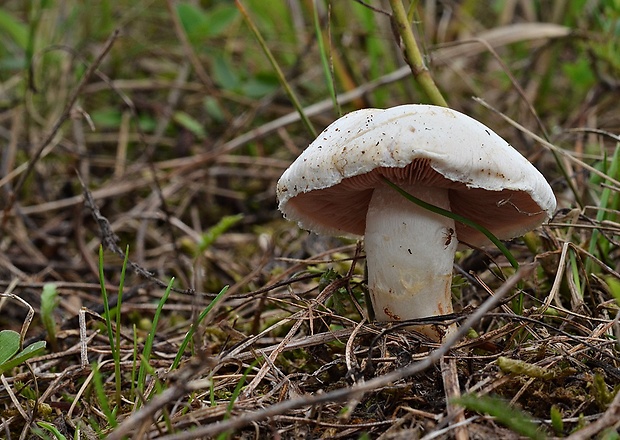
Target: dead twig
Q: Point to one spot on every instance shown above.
(356, 391)
(109, 240)
(452, 390)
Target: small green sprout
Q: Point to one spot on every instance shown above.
(49, 302)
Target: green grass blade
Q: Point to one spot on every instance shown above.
(190, 334)
(106, 304)
(225, 223)
(148, 345)
(458, 218)
(112, 338)
(602, 213)
(102, 397)
(49, 302)
(14, 28)
(574, 266)
(512, 418)
(329, 77)
(276, 68)
(237, 391)
(116, 353)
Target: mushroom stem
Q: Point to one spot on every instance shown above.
(409, 252)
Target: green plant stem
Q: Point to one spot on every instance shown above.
(276, 67)
(459, 218)
(148, 344)
(325, 59)
(102, 396)
(190, 334)
(108, 321)
(413, 54)
(117, 345)
(605, 204)
(49, 302)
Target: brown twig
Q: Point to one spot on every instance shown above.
(452, 390)
(109, 240)
(356, 391)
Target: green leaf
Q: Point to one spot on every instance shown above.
(29, 352)
(201, 24)
(214, 109)
(614, 288)
(49, 298)
(192, 19)
(53, 429)
(9, 345)
(219, 19)
(327, 278)
(111, 118)
(224, 74)
(556, 419)
(106, 118)
(580, 74)
(516, 420)
(11, 26)
(215, 231)
(260, 85)
(190, 124)
(49, 302)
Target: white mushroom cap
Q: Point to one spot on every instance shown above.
(438, 155)
(328, 188)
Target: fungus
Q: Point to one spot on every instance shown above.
(438, 155)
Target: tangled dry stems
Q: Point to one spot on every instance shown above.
(309, 363)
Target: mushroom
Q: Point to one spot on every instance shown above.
(443, 157)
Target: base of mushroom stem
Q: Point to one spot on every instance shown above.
(436, 332)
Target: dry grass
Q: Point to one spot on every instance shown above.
(173, 127)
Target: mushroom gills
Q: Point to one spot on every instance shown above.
(409, 253)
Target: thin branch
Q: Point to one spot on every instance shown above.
(342, 394)
(109, 240)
